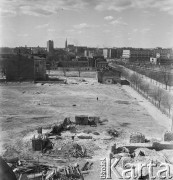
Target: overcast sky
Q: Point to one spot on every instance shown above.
(96, 23)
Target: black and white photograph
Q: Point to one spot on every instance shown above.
(86, 89)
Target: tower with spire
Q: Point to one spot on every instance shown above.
(66, 44)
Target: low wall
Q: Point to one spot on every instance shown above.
(76, 69)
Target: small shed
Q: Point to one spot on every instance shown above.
(81, 120)
(109, 76)
(125, 82)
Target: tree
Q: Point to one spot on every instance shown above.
(64, 69)
(3, 66)
(78, 68)
(158, 95)
(152, 75)
(146, 88)
(125, 74)
(135, 79)
(166, 77)
(142, 87)
(168, 102)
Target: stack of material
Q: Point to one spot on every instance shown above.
(93, 121)
(65, 125)
(66, 173)
(41, 144)
(77, 151)
(81, 120)
(31, 169)
(137, 138)
(66, 122)
(168, 136)
(57, 129)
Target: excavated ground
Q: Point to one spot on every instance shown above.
(27, 106)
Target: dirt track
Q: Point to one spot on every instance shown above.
(26, 106)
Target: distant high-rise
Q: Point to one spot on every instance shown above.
(66, 44)
(50, 46)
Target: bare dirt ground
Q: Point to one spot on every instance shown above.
(27, 106)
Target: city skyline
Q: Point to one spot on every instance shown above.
(104, 23)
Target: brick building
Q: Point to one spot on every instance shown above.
(109, 76)
(101, 64)
(22, 68)
(73, 64)
(50, 46)
(141, 55)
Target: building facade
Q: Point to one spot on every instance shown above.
(141, 55)
(110, 53)
(22, 68)
(101, 65)
(50, 46)
(39, 68)
(109, 76)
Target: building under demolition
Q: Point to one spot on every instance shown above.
(23, 68)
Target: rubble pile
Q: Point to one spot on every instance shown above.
(86, 120)
(32, 169)
(76, 150)
(113, 132)
(168, 136)
(137, 138)
(64, 126)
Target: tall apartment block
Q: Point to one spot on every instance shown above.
(50, 46)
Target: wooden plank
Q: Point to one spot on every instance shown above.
(31, 176)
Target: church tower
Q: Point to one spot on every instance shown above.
(66, 44)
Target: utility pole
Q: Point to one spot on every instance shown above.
(18, 61)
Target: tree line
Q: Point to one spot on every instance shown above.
(162, 74)
(162, 99)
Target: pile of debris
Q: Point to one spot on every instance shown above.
(67, 173)
(139, 155)
(137, 138)
(168, 136)
(76, 150)
(64, 126)
(113, 132)
(31, 169)
(42, 142)
(86, 120)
